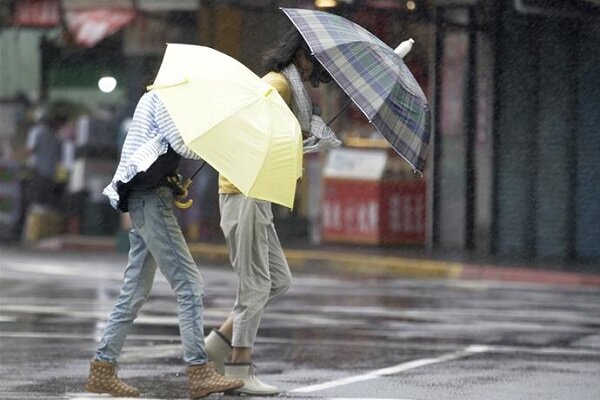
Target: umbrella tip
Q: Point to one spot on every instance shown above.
(404, 47)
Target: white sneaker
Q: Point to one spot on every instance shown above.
(217, 349)
(252, 385)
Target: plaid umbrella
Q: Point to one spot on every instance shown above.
(373, 76)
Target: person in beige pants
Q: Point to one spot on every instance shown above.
(264, 275)
(254, 248)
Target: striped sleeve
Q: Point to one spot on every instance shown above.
(171, 133)
(142, 145)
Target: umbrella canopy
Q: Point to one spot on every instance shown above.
(234, 120)
(373, 76)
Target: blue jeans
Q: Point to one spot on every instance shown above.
(156, 233)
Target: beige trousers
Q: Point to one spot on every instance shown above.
(257, 258)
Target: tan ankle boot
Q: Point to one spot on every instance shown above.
(103, 379)
(204, 380)
(218, 349)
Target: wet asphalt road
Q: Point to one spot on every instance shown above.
(330, 337)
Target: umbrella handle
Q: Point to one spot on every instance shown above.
(185, 186)
(348, 102)
(179, 202)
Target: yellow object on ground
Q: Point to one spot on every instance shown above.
(233, 119)
(42, 222)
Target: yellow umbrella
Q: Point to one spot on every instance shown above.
(234, 120)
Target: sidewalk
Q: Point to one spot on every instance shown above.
(371, 262)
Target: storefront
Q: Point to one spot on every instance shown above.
(74, 59)
(515, 122)
(97, 57)
(511, 166)
(546, 139)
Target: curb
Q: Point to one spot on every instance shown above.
(524, 275)
(390, 266)
(311, 260)
(367, 265)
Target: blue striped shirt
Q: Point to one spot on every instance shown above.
(151, 132)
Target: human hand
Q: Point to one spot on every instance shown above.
(322, 137)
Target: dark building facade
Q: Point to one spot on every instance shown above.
(531, 191)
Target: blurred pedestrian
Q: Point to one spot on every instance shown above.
(142, 186)
(254, 248)
(41, 184)
(44, 154)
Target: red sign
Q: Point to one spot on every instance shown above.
(403, 216)
(39, 13)
(350, 211)
(370, 212)
(89, 26)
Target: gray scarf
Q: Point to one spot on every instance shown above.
(321, 136)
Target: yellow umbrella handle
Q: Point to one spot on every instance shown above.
(179, 202)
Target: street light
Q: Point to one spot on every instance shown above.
(325, 3)
(107, 84)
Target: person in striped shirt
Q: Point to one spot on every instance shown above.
(142, 186)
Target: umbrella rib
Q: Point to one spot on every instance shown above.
(400, 154)
(376, 42)
(313, 52)
(217, 123)
(371, 122)
(336, 79)
(264, 158)
(350, 97)
(230, 118)
(345, 50)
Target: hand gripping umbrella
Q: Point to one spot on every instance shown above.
(373, 76)
(233, 119)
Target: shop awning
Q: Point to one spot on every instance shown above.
(171, 5)
(37, 13)
(87, 22)
(88, 26)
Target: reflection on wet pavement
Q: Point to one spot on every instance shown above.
(329, 337)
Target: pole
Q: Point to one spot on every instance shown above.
(470, 134)
(44, 67)
(437, 141)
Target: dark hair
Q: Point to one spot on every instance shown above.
(319, 74)
(282, 54)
